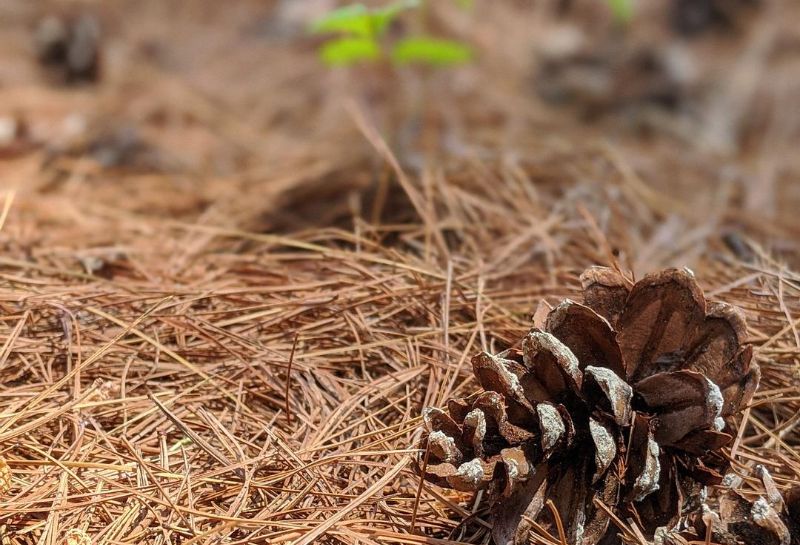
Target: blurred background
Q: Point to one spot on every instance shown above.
(230, 113)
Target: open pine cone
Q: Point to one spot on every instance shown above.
(622, 399)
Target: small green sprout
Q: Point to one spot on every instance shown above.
(359, 37)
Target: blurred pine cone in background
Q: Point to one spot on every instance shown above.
(621, 399)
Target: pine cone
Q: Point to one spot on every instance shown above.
(621, 399)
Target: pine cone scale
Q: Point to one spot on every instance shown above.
(740, 382)
(605, 448)
(644, 460)
(588, 336)
(605, 291)
(684, 401)
(661, 314)
(661, 508)
(511, 519)
(717, 341)
(616, 392)
(552, 365)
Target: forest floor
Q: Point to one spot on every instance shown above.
(231, 277)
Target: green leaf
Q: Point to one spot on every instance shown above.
(358, 20)
(349, 51)
(354, 19)
(431, 51)
(622, 10)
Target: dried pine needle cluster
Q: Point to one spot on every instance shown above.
(622, 402)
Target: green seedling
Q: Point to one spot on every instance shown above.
(359, 36)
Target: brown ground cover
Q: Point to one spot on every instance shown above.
(231, 278)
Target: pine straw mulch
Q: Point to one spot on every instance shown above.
(172, 374)
(208, 384)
